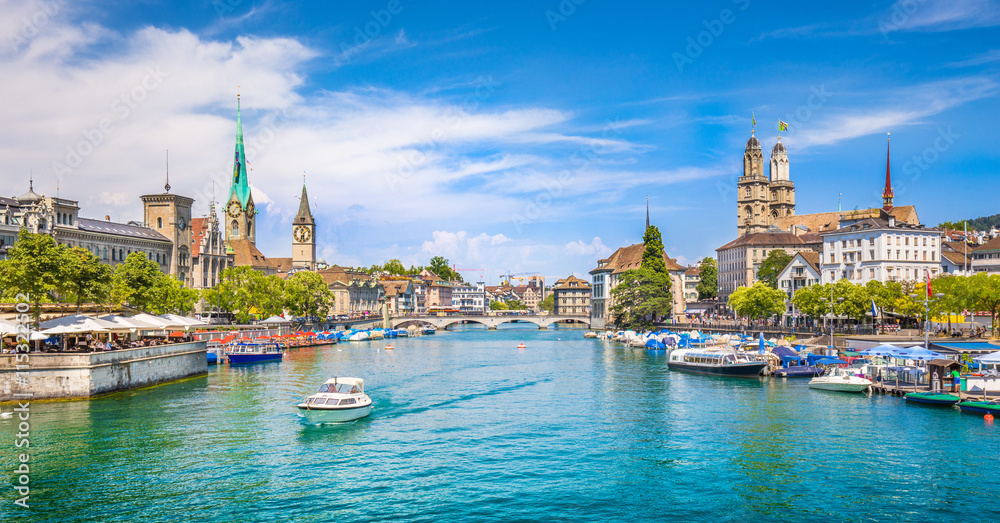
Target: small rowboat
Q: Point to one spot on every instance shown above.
(932, 398)
(981, 407)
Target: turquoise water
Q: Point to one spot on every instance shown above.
(467, 427)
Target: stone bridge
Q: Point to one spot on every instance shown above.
(491, 322)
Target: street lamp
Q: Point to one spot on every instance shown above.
(838, 300)
(927, 312)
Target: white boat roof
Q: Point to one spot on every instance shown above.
(348, 381)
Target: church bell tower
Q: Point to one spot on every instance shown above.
(241, 216)
(304, 235)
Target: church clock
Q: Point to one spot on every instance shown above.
(233, 208)
(301, 234)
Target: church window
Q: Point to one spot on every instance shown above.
(748, 192)
(235, 228)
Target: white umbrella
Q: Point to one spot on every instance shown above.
(991, 358)
(160, 322)
(130, 324)
(188, 322)
(38, 335)
(61, 329)
(7, 327)
(92, 324)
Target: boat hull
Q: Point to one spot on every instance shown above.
(248, 358)
(945, 400)
(798, 372)
(980, 407)
(334, 415)
(738, 370)
(839, 386)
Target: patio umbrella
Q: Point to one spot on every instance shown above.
(991, 358)
(921, 354)
(129, 324)
(7, 327)
(881, 350)
(79, 320)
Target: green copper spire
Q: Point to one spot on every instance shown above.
(240, 185)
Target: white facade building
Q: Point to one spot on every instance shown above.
(468, 299)
(802, 271)
(880, 249)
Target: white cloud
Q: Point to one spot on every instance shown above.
(595, 247)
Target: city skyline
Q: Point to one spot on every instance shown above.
(419, 139)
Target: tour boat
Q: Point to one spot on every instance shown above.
(981, 407)
(338, 400)
(841, 380)
(715, 362)
(932, 398)
(243, 353)
(428, 331)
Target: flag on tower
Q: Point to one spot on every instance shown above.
(782, 126)
(753, 119)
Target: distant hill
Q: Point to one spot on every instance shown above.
(983, 223)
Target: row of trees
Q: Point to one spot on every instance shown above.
(977, 293)
(48, 272)
(438, 265)
(247, 294)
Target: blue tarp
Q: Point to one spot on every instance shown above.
(829, 361)
(655, 344)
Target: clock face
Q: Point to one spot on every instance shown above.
(233, 209)
(250, 209)
(301, 234)
(181, 223)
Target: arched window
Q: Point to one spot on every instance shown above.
(159, 223)
(121, 254)
(113, 258)
(105, 253)
(250, 229)
(235, 228)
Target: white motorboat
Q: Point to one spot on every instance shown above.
(842, 380)
(338, 400)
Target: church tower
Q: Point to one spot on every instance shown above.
(304, 235)
(753, 193)
(782, 187)
(241, 218)
(887, 191)
(170, 215)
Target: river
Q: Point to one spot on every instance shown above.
(467, 427)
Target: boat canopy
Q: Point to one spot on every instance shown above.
(344, 381)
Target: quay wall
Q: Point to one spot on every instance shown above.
(66, 376)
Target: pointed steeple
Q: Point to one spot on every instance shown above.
(887, 192)
(647, 211)
(240, 185)
(304, 216)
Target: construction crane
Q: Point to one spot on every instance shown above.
(509, 276)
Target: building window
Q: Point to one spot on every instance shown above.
(159, 223)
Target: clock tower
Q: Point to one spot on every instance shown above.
(304, 235)
(241, 216)
(170, 215)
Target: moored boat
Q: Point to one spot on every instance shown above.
(715, 362)
(932, 398)
(798, 371)
(428, 331)
(245, 353)
(338, 400)
(981, 407)
(840, 380)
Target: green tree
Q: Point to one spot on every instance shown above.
(239, 292)
(136, 283)
(394, 267)
(643, 295)
(708, 286)
(984, 295)
(306, 294)
(772, 266)
(34, 268)
(807, 300)
(757, 302)
(85, 278)
(172, 296)
(515, 305)
(548, 304)
(271, 299)
(498, 306)
(439, 265)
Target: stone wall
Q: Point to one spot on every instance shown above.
(60, 375)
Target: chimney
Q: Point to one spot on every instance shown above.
(892, 221)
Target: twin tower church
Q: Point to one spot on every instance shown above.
(240, 218)
(763, 200)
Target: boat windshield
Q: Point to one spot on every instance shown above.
(339, 388)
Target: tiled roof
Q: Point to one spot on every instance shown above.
(956, 258)
(878, 223)
(991, 245)
(629, 258)
(811, 257)
(120, 229)
(394, 287)
(246, 253)
(283, 264)
(827, 221)
(764, 238)
(572, 282)
(693, 271)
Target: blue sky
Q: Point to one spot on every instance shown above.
(513, 136)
